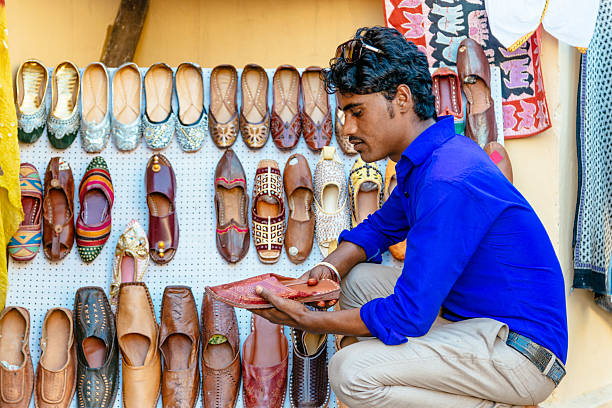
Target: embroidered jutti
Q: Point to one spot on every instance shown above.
(11, 212)
(438, 28)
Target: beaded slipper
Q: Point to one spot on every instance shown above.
(158, 120)
(366, 190)
(192, 123)
(126, 120)
(95, 118)
(330, 198)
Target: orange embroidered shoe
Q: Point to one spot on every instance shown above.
(242, 293)
(398, 250)
(268, 212)
(25, 244)
(96, 196)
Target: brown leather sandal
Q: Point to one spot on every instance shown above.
(163, 222)
(475, 75)
(58, 210)
(286, 125)
(317, 125)
(299, 236)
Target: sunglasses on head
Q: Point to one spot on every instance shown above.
(352, 50)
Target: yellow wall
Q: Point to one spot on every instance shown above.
(302, 33)
(267, 32)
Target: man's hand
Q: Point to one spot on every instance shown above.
(294, 314)
(285, 311)
(313, 277)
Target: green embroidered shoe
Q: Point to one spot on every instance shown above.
(32, 79)
(64, 121)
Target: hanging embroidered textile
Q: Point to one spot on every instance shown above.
(438, 27)
(11, 213)
(593, 221)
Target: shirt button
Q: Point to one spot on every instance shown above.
(406, 194)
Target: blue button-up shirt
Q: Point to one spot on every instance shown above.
(474, 247)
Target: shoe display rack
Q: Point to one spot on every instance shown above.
(40, 284)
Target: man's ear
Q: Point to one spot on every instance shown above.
(403, 98)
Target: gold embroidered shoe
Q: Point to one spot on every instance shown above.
(268, 212)
(254, 113)
(398, 250)
(331, 198)
(31, 83)
(366, 188)
(64, 121)
(131, 258)
(223, 123)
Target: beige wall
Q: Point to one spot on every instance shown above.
(302, 33)
(267, 32)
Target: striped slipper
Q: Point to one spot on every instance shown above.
(96, 197)
(25, 244)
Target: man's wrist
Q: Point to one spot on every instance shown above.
(333, 269)
(305, 318)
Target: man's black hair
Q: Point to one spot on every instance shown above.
(401, 63)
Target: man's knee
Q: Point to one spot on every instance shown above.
(356, 285)
(341, 375)
(347, 377)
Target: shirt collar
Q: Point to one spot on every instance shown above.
(430, 139)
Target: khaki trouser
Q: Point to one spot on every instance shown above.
(465, 364)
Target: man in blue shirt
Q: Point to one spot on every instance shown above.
(477, 316)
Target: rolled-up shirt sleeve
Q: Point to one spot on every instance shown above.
(381, 229)
(449, 224)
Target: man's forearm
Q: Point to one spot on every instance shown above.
(347, 322)
(346, 256)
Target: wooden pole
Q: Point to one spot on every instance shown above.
(122, 37)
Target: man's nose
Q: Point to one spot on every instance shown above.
(350, 126)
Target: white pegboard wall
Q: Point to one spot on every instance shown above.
(41, 284)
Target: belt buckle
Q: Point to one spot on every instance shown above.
(550, 364)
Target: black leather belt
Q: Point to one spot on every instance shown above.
(546, 361)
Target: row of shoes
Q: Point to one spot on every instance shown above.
(318, 209)
(300, 106)
(80, 354)
(50, 217)
(321, 209)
